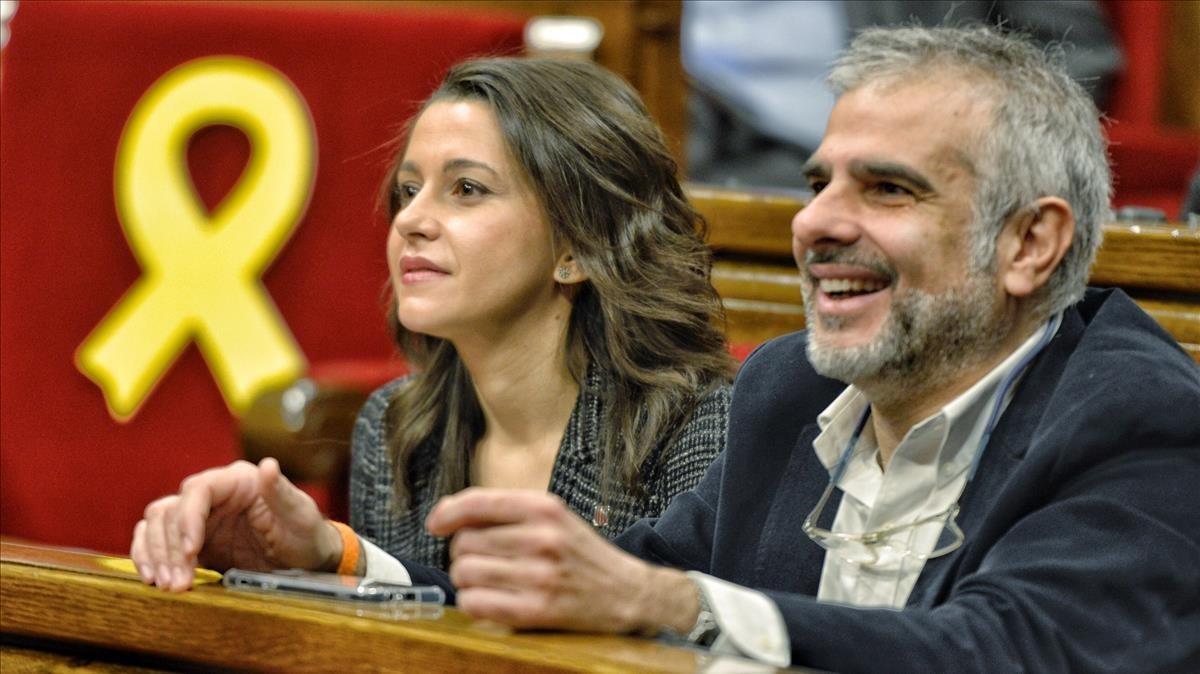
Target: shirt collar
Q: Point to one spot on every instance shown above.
(961, 422)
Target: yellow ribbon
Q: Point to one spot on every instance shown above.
(201, 272)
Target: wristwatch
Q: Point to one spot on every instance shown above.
(706, 630)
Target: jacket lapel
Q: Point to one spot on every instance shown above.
(787, 559)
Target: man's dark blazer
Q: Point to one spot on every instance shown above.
(1082, 524)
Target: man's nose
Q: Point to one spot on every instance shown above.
(829, 218)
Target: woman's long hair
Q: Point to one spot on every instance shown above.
(647, 317)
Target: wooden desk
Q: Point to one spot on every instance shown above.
(58, 601)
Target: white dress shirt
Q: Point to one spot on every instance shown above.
(926, 475)
(382, 566)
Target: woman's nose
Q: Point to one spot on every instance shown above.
(417, 218)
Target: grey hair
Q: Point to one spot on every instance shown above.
(1044, 140)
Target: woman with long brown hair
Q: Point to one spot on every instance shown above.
(552, 292)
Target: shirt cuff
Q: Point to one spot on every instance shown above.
(751, 624)
(382, 566)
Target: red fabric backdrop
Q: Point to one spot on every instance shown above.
(72, 73)
(1152, 163)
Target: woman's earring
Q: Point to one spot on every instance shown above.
(564, 273)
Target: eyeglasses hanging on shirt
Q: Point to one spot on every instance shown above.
(895, 542)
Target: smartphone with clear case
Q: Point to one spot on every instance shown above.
(332, 586)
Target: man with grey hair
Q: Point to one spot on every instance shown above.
(1007, 483)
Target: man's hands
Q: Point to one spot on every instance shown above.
(239, 515)
(524, 559)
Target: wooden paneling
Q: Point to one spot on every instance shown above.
(20, 658)
(1181, 86)
(1149, 257)
(747, 223)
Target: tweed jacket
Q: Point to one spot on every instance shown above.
(575, 476)
(1082, 523)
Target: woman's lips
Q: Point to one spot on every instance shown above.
(415, 269)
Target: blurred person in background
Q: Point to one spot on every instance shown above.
(758, 103)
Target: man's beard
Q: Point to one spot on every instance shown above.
(925, 338)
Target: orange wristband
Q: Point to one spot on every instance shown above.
(350, 549)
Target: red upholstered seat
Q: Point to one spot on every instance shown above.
(72, 73)
(742, 350)
(1152, 163)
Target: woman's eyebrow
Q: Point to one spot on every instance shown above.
(458, 164)
(450, 166)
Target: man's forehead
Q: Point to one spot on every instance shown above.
(926, 101)
(931, 121)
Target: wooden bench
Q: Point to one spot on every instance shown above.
(750, 233)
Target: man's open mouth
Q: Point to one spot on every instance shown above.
(839, 288)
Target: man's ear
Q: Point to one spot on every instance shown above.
(567, 270)
(1033, 244)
